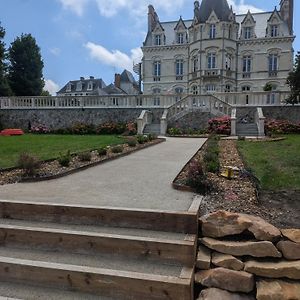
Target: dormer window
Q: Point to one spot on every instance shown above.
(157, 40)
(274, 30)
(247, 33)
(79, 86)
(90, 86)
(180, 38)
(212, 31)
(69, 87)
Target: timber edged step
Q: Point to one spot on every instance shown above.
(168, 221)
(111, 253)
(112, 283)
(84, 242)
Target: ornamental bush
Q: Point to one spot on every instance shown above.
(65, 159)
(220, 125)
(117, 149)
(281, 127)
(85, 156)
(29, 163)
(197, 179)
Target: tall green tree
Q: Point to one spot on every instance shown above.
(4, 86)
(293, 81)
(26, 67)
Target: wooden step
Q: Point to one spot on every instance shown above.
(181, 251)
(99, 281)
(173, 221)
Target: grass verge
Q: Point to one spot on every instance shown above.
(275, 164)
(49, 146)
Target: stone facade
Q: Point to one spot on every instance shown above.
(218, 50)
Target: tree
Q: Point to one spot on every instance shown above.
(4, 86)
(293, 81)
(26, 67)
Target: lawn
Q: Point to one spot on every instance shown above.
(50, 146)
(276, 164)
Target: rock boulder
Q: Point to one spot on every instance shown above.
(292, 234)
(290, 250)
(227, 261)
(217, 294)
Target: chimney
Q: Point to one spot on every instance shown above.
(81, 78)
(118, 80)
(92, 77)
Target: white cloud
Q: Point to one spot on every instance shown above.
(239, 7)
(55, 51)
(51, 86)
(114, 58)
(77, 6)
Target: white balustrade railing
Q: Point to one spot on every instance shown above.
(144, 119)
(254, 98)
(223, 101)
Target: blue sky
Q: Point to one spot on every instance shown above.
(99, 37)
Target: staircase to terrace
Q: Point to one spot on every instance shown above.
(55, 251)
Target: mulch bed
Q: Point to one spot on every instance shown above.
(52, 169)
(241, 195)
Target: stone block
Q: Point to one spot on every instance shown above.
(227, 261)
(203, 258)
(290, 250)
(218, 294)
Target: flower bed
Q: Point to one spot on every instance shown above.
(53, 169)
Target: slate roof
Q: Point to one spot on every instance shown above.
(127, 76)
(261, 20)
(97, 84)
(113, 90)
(220, 7)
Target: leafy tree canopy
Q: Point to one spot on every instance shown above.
(4, 87)
(293, 81)
(26, 67)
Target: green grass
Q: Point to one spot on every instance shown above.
(49, 146)
(276, 164)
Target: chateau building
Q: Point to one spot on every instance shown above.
(218, 50)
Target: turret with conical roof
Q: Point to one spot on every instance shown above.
(220, 7)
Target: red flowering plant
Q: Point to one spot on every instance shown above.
(281, 127)
(220, 125)
(39, 129)
(131, 128)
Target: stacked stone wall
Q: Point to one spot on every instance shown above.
(242, 257)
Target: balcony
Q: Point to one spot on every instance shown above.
(211, 73)
(272, 73)
(246, 75)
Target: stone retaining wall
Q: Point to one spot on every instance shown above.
(193, 120)
(62, 118)
(242, 257)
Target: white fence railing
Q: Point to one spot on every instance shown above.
(224, 100)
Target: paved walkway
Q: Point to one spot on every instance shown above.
(140, 180)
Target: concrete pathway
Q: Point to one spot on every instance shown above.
(140, 180)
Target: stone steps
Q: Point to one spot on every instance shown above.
(249, 129)
(152, 128)
(108, 252)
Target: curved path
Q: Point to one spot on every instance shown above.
(140, 180)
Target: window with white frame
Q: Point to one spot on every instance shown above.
(156, 98)
(273, 63)
(212, 31)
(228, 60)
(90, 86)
(157, 70)
(247, 61)
(211, 61)
(179, 67)
(195, 90)
(180, 38)
(157, 40)
(69, 87)
(79, 86)
(195, 64)
(274, 30)
(247, 33)
(210, 88)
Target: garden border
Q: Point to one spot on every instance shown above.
(186, 188)
(82, 168)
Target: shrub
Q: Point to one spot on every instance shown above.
(220, 125)
(197, 179)
(281, 127)
(64, 160)
(131, 128)
(117, 149)
(111, 128)
(39, 129)
(132, 142)
(29, 163)
(152, 136)
(211, 156)
(142, 139)
(81, 128)
(85, 156)
(102, 151)
(174, 131)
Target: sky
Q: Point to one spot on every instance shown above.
(82, 38)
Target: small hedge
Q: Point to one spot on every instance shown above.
(211, 156)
